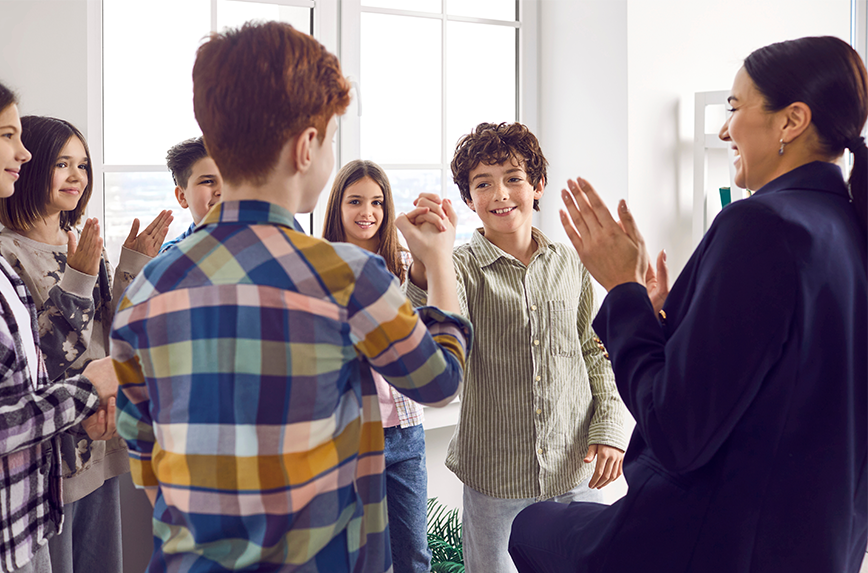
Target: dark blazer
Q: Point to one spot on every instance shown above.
(750, 398)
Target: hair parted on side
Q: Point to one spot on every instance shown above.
(494, 144)
(258, 86)
(7, 97)
(45, 137)
(181, 158)
(390, 247)
(827, 75)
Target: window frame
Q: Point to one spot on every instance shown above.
(527, 79)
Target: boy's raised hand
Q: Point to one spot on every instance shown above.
(84, 255)
(429, 229)
(149, 241)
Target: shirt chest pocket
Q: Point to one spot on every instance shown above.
(563, 334)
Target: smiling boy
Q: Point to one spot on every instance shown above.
(244, 353)
(198, 183)
(539, 403)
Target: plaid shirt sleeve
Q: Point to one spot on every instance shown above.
(31, 415)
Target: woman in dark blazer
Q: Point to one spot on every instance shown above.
(749, 384)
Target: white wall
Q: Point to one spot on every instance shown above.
(43, 50)
(582, 99)
(676, 48)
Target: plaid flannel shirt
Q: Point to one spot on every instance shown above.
(247, 399)
(32, 415)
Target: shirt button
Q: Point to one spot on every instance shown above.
(539, 451)
(536, 342)
(539, 410)
(533, 307)
(538, 378)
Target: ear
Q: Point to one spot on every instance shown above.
(796, 118)
(538, 190)
(469, 203)
(181, 197)
(303, 149)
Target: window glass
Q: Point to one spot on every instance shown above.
(490, 9)
(232, 14)
(400, 89)
(147, 84)
(139, 195)
(414, 5)
(408, 183)
(468, 221)
(478, 88)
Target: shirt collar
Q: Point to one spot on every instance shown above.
(487, 252)
(250, 213)
(816, 176)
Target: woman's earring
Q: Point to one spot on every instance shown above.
(781, 150)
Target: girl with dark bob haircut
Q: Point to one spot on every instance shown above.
(70, 279)
(46, 136)
(748, 380)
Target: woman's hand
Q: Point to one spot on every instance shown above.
(84, 254)
(612, 251)
(149, 241)
(657, 283)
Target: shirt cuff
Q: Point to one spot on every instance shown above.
(132, 262)
(77, 283)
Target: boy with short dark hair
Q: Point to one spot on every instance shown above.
(540, 402)
(197, 182)
(245, 352)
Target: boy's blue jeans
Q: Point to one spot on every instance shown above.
(407, 498)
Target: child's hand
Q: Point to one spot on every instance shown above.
(429, 236)
(84, 255)
(610, 463)
(103, 424)
(149, 241)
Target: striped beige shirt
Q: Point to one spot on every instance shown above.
(537, 388)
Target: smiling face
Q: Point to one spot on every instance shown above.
(362, 213)
(754, 134)
(203, 189)
(69, 179)
(503, 197)
(12, 151)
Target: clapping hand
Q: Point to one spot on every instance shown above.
(85, 253)
(149, 241)
(613, 251)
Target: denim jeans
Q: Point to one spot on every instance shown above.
(407, 498)
(91, 538)
(487, 521)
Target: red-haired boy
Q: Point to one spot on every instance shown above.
(243, 353)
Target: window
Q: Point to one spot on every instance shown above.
(425, 72)
(148, 52)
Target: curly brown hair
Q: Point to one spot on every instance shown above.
(495, 144)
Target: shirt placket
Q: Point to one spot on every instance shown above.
(536, 314)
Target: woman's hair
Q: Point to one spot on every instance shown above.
(827, 75)
(7, 97)
(354, 171)
(45, 137)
